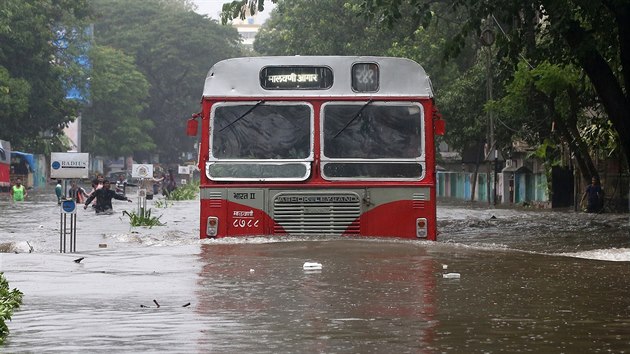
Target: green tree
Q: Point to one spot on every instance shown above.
(593, 35)
(174, 48)
(14, 95)
(462, 101)
(34, 109)
(327, 27)
(112, 125)
(547, 104)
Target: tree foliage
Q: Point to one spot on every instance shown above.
(592, 35)
(33, 67)
(329, 27)
(10, 299)
(173, 48)
(112, 124)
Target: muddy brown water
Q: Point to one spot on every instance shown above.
(529, 281)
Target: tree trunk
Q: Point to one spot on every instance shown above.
(603, 79)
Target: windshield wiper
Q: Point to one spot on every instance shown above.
(243, 115)
(353, 118)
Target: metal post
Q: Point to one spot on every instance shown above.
(64, 232)
(142, 197)
(60, 231)
(494, 182)
(71, 229)
(74, 232)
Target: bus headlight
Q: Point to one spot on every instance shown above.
(421, 227)
(212, 225)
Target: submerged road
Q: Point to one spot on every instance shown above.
(529, 281)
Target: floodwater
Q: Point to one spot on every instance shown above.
(529, 281)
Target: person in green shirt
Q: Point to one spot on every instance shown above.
(18, 191)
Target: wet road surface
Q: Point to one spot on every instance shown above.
(530, 281)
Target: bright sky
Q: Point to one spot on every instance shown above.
(212, 8)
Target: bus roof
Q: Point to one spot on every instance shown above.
(238, 77)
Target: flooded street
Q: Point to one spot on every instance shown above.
(530, 281)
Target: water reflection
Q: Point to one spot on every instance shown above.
(363, 299)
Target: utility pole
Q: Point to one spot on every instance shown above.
(487, 40)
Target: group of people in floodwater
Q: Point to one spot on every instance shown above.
(102, 192)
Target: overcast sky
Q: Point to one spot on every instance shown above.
(212, 8)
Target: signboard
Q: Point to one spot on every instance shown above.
(69, 165)
(142, 170)
(183, 170)
(296, 78)
(68, 206)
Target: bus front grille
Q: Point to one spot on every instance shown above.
(317, 213)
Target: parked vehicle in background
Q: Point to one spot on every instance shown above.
(5, 165)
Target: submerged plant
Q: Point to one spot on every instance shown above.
(9, 300)
(184, 192)
(162, 203)
(144, 218)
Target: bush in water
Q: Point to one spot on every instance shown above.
(9, 300)
(184, 192)
(144, 218)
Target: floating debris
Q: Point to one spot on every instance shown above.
(312, 266)
(78, 260)
(451, 275)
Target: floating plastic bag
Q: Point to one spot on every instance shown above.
(451, 275)
(312, 266)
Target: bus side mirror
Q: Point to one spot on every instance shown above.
(440, 126)
(191, 127)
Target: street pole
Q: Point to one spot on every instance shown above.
(487, 40)
(494, 189)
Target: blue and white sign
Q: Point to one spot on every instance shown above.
(69, 165)
(68, 206)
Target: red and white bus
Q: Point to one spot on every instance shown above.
(5, 166)
(317, 145)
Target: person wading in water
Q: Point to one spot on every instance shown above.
(104, 198)
(18, 191)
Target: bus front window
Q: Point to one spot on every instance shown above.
(261, 140)
(373, 140)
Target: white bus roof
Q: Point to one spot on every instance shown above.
(240, 77)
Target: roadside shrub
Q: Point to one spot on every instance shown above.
(9, 300)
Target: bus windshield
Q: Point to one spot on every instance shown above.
(261, 131)
(373, 131)
(261, 141)
(372, 140)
